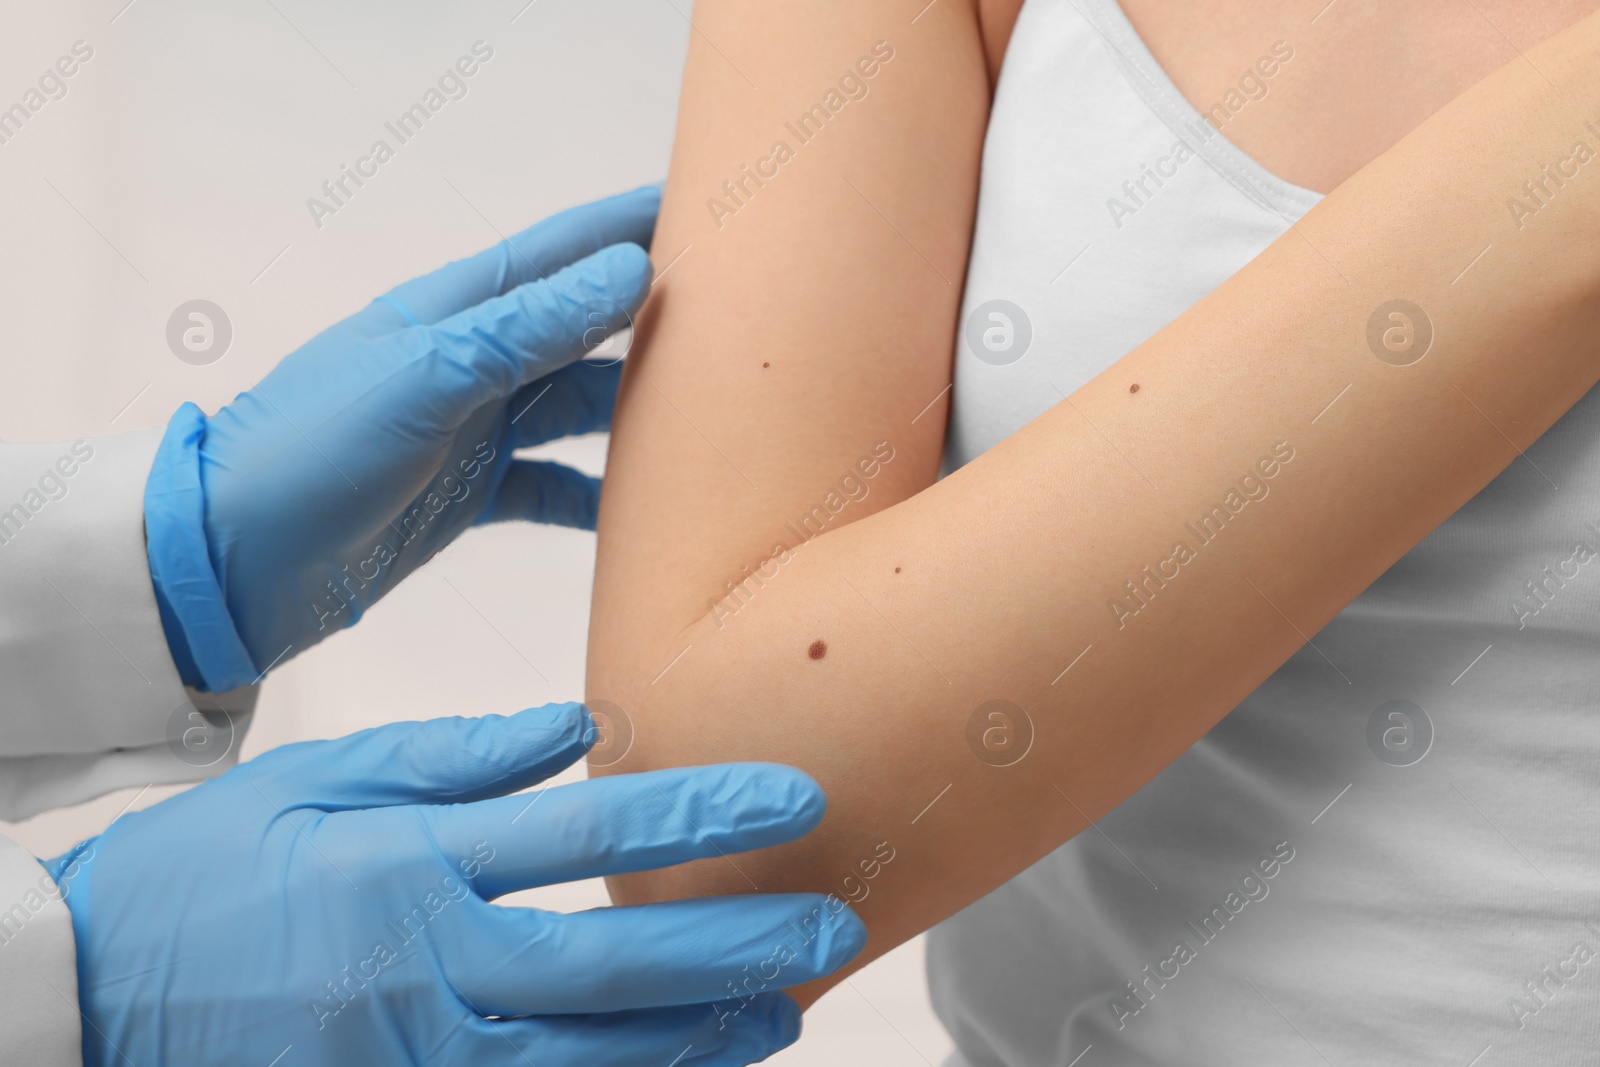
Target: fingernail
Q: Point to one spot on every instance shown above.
(786, 1021)
(797, 794)
(789, 801)
(588, 732)
(557, 725)
(848, 938)
(767, 1024)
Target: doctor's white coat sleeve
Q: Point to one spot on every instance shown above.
(90, 700)
(39, 1021)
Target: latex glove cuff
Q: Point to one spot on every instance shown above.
(205, 643)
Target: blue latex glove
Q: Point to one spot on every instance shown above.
(327, 903)
(282, 518)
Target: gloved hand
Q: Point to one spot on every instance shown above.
(282, 518)
(327, 904)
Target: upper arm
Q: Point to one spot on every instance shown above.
(811, 248)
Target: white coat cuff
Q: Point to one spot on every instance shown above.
(39, 1020)
(92, 699)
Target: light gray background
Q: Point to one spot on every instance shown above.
(178, 166)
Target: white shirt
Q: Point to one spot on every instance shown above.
(1390, 852)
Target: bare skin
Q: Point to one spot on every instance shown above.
(798, 335)
(1365, 73)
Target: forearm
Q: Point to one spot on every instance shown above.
(987, 585)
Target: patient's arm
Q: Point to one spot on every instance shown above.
(802, 315)
(986, 585)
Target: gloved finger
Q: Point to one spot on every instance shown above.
(628, 822)
(534, 254)
(537, 491)
(679, 952)
(489, 351)
(731, 1034)
(440, 761)
(574, 400)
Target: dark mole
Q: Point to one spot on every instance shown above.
(1134, 388)
(897, 570)
(766, 364)
(818, 649)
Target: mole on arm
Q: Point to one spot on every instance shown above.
(1134, 388)
(897, 570)
(818, 649)
(766, 365)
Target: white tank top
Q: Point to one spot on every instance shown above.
(1390, 852)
